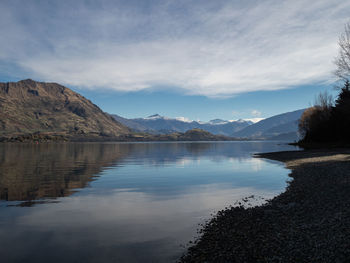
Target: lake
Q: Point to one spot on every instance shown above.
(123, 202)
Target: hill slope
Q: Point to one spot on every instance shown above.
(28, 106)
(273, 126)
(132, 124)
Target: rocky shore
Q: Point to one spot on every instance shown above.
(309, 222)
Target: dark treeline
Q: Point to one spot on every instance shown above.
(326, 122)
(329, 122)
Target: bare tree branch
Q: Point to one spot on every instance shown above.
(324, 101)
(343, 60)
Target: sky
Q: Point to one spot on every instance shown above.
(196, 59)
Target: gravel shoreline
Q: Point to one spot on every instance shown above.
(309, 222)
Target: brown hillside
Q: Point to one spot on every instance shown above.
(28, 106)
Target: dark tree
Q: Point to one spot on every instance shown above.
(314, 123)
(341, 114)
(343, 99)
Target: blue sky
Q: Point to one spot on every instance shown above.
(197, 59)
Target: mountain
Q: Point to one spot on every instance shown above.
(165, 125)
(279, 127)
(286, 123)
(227, 128)
(28, 107)
(134, 125)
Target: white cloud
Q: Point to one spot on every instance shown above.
(211, 49)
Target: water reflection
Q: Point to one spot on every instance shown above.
(133, 202)
(30, 172)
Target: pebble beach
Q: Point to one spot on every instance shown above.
(309, 222)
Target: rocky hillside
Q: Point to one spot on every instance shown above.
(30, 107)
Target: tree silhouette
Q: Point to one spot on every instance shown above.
(328, 124)
(343, 99)
(341, 114)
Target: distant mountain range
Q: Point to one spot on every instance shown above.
(157, 124)
(279, 127)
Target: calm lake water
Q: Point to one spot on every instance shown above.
(122, 202)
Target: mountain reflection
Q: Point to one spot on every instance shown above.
(31, 172)
(46, 171)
